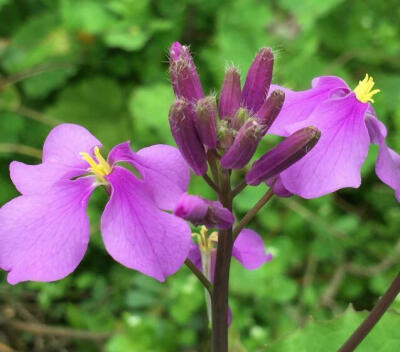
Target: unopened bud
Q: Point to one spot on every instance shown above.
(241, 116)
(206, 121)
(230, 97)
(270, 109)
(225, 135)
(258, 80)
(200, 211)
(285, 154)
(184, 77)
(243, 147)
(184, 132)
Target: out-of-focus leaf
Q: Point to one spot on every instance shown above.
(149, 108)
(384, 337)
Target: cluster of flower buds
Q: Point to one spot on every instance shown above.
(236, 125)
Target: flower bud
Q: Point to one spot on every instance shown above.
(184, 132)
(225, 135)
(229, 99)
(258, 80)
(270, 109)
(243, 147)
(285, 154)
(184, 77)
(206, 121)
(202, 211)
(241, 116)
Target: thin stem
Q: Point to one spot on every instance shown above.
(252, 212)
(221, 274)
(36, 115)
(41, 329)
(239, 188)
(210, 182)
(206, 283)
(373, 317)
(20, 149)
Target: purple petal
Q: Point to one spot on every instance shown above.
(298, 106)
(278, 187)
(34, 179)
(43, 237)
(162, 167)
(137, 233)
(336, 160)
(65, 142)
(249, 250)
(195, 256)
(388, 162)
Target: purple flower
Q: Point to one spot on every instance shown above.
(44, 232)
(348, 125)
(248, 250)
(202, 211)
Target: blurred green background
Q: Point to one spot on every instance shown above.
(103, 64)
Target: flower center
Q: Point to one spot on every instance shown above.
(206, 241)
(99, 167)
(364, 92)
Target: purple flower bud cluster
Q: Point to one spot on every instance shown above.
(235, 126)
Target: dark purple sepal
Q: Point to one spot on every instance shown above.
(184, 132)
(184, 77)
(231, 95)
(258, 80)
(285, 154)
(200, 211)
(270, 109)
(206, 121)
(243, 147)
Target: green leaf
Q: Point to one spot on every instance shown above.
(149, 108)
(98, 104)
(330, 335)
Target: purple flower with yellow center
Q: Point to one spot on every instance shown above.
(248, 250)
(44, 232)
(348, 125)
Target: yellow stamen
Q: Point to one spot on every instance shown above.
(100, 168)
(204, 241)
(364, 92)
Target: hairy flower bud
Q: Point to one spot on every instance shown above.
(225, 135)
(270, 109)
(206, 121)
(202, 211)
(241, 116)
(185, 135)
(258, 80)
(285, 154)
(229, 100)
(184, 77)
(243, 147)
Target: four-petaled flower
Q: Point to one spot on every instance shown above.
(44, 233)
(348, 125)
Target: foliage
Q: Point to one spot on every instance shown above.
(103, 64)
